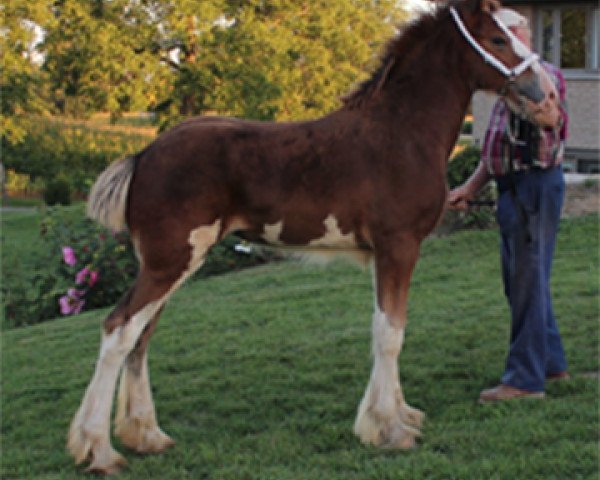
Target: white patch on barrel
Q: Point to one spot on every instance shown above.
(200, 239)
(334, 238)
(272, 232)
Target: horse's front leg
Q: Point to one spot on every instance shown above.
(384, 418)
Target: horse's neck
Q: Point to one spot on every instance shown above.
(433, 97)
(444, 116)
(441, 97)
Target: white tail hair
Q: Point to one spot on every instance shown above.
(107, 202)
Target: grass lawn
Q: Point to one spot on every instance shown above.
(20, 237)
(258, 374)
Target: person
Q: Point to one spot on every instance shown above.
(525, 161)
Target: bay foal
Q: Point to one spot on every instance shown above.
(367, 179)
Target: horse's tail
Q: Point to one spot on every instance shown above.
(107, 203)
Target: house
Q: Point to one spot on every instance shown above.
(567, 34)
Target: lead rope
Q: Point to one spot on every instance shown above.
(513, 141)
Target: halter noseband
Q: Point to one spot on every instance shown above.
(488, 57)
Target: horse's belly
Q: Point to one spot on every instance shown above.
(332, 238)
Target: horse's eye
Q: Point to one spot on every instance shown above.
(499, 41)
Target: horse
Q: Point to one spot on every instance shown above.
(366, 180)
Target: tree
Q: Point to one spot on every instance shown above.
(277, 59)
(21, 85)
(95, 58)
(265, 59)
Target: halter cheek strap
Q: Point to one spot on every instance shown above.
(488, 57)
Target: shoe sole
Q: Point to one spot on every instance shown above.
(529, 396)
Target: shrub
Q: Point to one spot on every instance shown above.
(462, 165)
(84, 266)
(467, 127)
(233, 254)
(54, 149)
(459, 170)
(57, 192)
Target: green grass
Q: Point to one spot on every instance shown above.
(257, 375)
(19, 238)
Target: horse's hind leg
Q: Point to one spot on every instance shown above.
(135, 421)
(89, 435)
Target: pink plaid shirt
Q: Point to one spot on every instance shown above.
(495, 152)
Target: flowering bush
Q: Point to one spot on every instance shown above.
(73, 301)
(83, 267)
(95, 268)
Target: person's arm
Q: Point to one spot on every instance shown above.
(459, 197)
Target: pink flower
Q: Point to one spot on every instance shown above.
(65, 307)
(71, 303)
(93, 278)
(82, 275)
(73, 292)
(69, 256)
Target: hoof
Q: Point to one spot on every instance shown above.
(84, 446)
(79, 445)
(136, 435)
(412, 416)
(108, 463)
(386, 433)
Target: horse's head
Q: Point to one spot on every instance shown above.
(502, 60)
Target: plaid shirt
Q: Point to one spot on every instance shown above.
(497, 150)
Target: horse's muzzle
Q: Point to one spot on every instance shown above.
(531, 89)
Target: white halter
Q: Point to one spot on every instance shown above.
(488, 57)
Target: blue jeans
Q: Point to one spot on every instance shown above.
(526, 252)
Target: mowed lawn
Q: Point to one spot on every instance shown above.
(258, 374)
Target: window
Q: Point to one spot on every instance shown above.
(568, 36)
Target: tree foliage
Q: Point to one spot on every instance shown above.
(264, 59)
(93, 59)
(278, 59)
(21, 81)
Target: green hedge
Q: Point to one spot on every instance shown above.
(76, 154)
(459, 170)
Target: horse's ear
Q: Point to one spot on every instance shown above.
(489, 6)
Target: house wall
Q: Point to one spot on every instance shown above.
(583, 103)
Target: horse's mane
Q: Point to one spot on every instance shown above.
(398, 55)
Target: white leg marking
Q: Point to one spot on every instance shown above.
(90, 428)
(383, 417)
(135, 421)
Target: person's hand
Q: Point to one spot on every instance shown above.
(458, 198)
